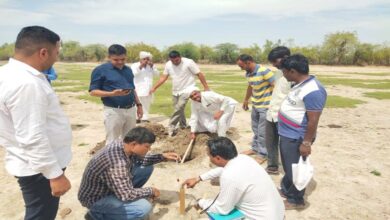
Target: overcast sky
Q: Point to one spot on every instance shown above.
(166, 22)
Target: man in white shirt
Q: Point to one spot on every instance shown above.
(244, 184)
(211, 112)
(143, 72)
(281, 89)
(183, 72)
(34, 130)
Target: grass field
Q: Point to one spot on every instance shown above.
(225, 79)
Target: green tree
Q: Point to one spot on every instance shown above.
(71, 51)
(268, 46)
(311, 52)
(339, 48)
(134, 49)
(6, 51)
(186, 49)
(381, 55)
(95, 52)
(206, 53)
(226, 53)
(254, 51)
(364, 54)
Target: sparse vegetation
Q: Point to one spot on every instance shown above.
(376, 173)
(378, 95)
(342, 102)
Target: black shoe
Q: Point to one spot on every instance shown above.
(88, 216)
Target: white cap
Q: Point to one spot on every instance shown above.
(144, 54)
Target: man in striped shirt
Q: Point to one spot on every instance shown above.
(260, 86)
(111, 187)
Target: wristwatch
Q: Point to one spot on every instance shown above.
(138, 104)
(306, 143)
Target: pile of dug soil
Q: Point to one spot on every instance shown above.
(179, 142)
(158, 129)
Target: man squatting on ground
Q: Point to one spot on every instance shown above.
(34, 130)
(298, 120)
(260, 86)
(111, 187)
(281, 89)
(244, 184)
(113, 82)
(210, 112)
(183, 72)
(143, 72)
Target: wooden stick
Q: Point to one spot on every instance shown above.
(182, 197)
(187, 151)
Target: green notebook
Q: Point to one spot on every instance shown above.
(235, 214)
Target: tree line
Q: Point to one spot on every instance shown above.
(339, 48)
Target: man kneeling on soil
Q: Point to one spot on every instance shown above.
(211, 112)
(244, 184)
(112, 181)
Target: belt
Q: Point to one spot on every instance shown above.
(122, 106)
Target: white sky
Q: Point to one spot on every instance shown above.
(167, 22)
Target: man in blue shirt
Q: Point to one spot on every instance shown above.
(113, 82)
(297, 123)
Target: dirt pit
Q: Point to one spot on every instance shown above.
(179, 142)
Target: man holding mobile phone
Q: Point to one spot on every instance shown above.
(114, 83)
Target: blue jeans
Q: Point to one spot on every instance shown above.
(258, 117)
(112, 208)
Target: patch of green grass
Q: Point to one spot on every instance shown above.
(369, 74)
(83, 75)
(378, 95)
(376, 173)
(72, 89)
(342, 102)
(357, 83)
(61, 83)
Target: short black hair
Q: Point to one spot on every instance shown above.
(223, 147)
(297, 62)
(278, 52)
(117, 49)
(33, 38)
(174, 54)
(245, 58)
(140, 135)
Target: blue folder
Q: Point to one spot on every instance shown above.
(235, 214)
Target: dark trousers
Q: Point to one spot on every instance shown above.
(289, 152)
(40, 204)
(272, 143)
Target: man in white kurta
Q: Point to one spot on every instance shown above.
(211, 112)
(143, 72)
(244, 184)
(183, 72)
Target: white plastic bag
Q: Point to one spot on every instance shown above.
(302, 173)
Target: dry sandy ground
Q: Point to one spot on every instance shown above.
(351, 143)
